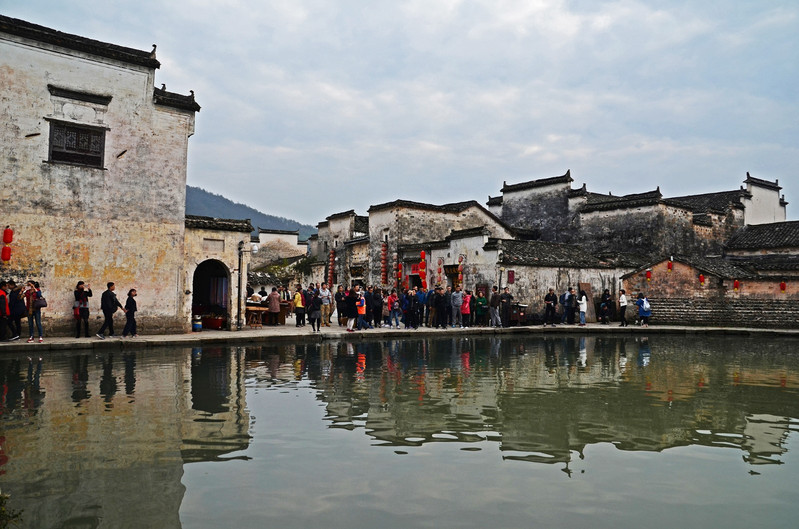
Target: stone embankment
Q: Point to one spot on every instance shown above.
(291, 333)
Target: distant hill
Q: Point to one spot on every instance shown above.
(201, 202)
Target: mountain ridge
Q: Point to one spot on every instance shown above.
(204, 203)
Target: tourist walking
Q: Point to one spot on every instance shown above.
(130, 315)
(81, 308)
(273, 306)
(327, 304)
(466, 309)
(340, 299)
(351, 308)
(582, 303)
(570, 303)
(5, 312)
(493, 308)
(505, 300)
(480, 309)
(623, 308)
(395, 308)
(109, 305)
(550, 310)
(34, 301)
(315, 312)
(299, 307)
(456, 300)
(644, 309)
(17, 309)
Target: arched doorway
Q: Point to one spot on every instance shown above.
(211, 294)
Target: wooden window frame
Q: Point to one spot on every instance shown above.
(85, 148)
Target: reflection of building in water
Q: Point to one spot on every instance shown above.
(545, 398)
(107, 447)
(765, 437)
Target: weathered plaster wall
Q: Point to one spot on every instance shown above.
(121, 223)
(764, 206)
(543, 208)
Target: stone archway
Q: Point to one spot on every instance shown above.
(211, 294)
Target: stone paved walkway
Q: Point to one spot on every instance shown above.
(292, 333)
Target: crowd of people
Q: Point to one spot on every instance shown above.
(27, 301)
(570, 308)
(362, 308)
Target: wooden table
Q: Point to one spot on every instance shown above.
(254, 314)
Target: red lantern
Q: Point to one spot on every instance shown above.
(649, 275)
(424, 283)
(783, 285)
(736, 285)
(6, 253)
(421, 255)
(460, 277)
(8, 235)
(460, 258)
(422, 273)
(670, 265)
(702, 279)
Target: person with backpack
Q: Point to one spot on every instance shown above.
(644, 309)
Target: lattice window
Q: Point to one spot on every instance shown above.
(80, 145)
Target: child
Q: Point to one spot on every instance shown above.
(130, 315)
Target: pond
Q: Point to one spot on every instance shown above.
(571, 431)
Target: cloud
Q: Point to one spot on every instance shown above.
(351, 103)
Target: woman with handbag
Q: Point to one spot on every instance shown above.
(34, 302)
(81, 307)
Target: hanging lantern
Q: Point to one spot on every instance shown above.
(460, 277)
(6, 253)
(8, 235)
(702, 279)
(421, 255)
(460, 258)
(422, 273)
(424, 283)
(670, 266)
(736, 285)
(649, 275)
(783, 285)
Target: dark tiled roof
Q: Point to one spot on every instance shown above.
(563, 179)
(769, 263)
(357, 240)
(468, 232)
(717, 202)
(538, 253)
(212, 223)
(626, 202)
(494, 201)
(348, 213)
(765, 236)
(323, 224)
(455, 207)
(21, 28)
(278, 232)
(171, 99)
(717, 266)
(762, 183)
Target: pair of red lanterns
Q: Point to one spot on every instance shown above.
(8, 238)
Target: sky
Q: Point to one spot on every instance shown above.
(313, 107)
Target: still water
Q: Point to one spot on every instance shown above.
(464, 432)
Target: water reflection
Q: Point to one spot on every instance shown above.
(544, 400)
(115, 430)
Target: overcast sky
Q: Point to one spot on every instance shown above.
(311, 107)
